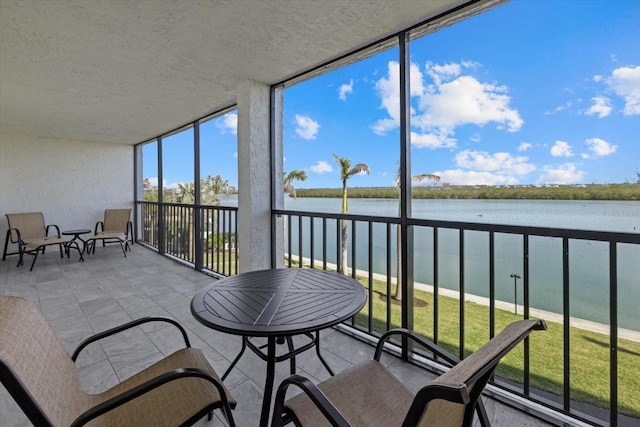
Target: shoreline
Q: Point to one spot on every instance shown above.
(576, 322)
(581, 192)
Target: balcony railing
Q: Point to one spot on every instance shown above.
(464, 283)
(204, 236)
(472, 270)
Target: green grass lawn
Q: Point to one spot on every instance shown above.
(222, 263)
(589, 350)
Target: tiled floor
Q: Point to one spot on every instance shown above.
(81, 298)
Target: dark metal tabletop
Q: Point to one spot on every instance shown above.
(278, 302)
(76, 232)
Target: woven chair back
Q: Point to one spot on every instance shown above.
(31, 226)
(116, 220)
(35, 356)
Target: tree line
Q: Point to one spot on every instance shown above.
(625, 191)
(185, 192)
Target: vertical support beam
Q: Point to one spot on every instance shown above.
(436, 282)
(613, 334)
(566, 311)
(161, 219)
(254, 176)
(388, 276)
(492, 285)
(277, 176)
(462, 291)
(354, 253)
(198, 246)
(138, 193)
(525, 301)
(405, 190)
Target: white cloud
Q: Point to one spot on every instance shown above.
(153, 182)
(625, 82)
(431, 140)
(345, 89)
(501, 163)
(598, 148)
(439, 72)
(464, 177)
(475, 137)
(561, 149)
(481, 168)
(388, 89)
(566, 106)
(382, 126)
(306, 127)
(601, 106)
(471, 64)
(467, 101)
(451, 100)
(229, 122)
(524, 146)
(321, 167)
(562, 174)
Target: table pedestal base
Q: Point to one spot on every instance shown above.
(73, 244)
(271, 358)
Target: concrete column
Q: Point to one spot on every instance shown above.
(277, 234)
(254, 176)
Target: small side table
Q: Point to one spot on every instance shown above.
(74, 242)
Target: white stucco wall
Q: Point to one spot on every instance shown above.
(70, 182)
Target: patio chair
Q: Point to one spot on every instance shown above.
(367, 394)
(116, 228)
(38, 373)
(29, 232)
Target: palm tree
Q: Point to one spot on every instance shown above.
(210, 187)
(416, 178)
(150, 195)
(185, 193)
(346, 172)
(289, 177)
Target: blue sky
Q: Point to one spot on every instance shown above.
(532, 92)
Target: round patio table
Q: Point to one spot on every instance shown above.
(278, 304)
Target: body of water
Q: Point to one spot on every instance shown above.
(588, 260)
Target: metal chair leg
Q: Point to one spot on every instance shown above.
(35, 257)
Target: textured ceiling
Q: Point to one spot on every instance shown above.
(127, 70)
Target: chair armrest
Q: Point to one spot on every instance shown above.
(332, 413)
(432, 347)
(101, 224)
(10, 235)
(54, 226)
(147, 386)
(126, 326)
